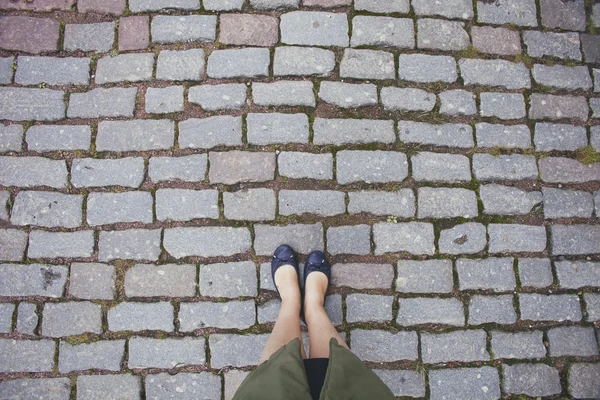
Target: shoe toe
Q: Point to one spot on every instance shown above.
(284, 252)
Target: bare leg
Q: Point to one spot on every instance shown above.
(320, 328)
(287, 326)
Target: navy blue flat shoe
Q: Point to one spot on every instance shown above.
(315, 262)
(283, 255)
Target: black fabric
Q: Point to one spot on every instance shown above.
(316, 369)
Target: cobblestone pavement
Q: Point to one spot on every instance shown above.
(155, 152)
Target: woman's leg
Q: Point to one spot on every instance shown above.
(287, 326)
(320, 328)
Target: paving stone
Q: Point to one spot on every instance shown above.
(239, 63)
(130, 244)
(439, 34)
(241, 166)
(205, 133)
(32, 280)
(114, 7)
(502, 105)
(406, 99)
(29, 35)
(418, 311)
(11, 138)
(577, 274)
(515, 238)
(410, 237)
(6, 314)
(457, 102)
(461, 9)
(60, 244)
(135, 135)
(187, 168)
(248, 29)
(47, 209)
(274, 4)
(164, 100)
(4, 205)
(450, 135)
(52, 71)
(303, 61)
(428, 276)
(539, 307)
(353, 131)
(273, 128)
(71, 318)
(496, 274)
(424, 68)
(589, 44)
(206, 241)
(465, 383)
(595, 106)
(596, 15)
(92, 281)
(89, 172)
(400, 203)
(383, 31)
(233, 378)
(567, 203)
(102, 355)
(134, 32)
(166, 353)
(125, 68)
(229, 96)
(186, 204)
(326, 3)
(182, 29)
(111, 208)
(333, 308)
(250, 205)
(499, 73)
(92, 387)
(348, 95)
(229, 315)
(514, 167)
(223, 5)
(382, 346)
(366, 307)
(99, 102)
(402, 383)
(58, 137)
(170, 280)
(235, 350)
(6, 70)
(492, 310)
(547, 106)
(562, 77)
(509, 136)
(235, 279)
(446, 203)
(314, 28)
(130, 316)
(596, 73)
(487, 39)
(518, 345)
(44, 388)
(12, 244)
(439, 167)
(32, 171)
(463, 346)
(382, 6)
(268, 312)
(554, 44)
(468, 238)
(534, 380)
(582, 380)
(298, 165)
(283, 93)
(535, 272)
(562, 169)
(26, 356)
(517, 12)
(362, 276)
(565, 15)
(183, 386)
(302, 238)
(98, 37)
(43, 5)
(27, 318)
(352, 239)
(575, 239)
(367, 64)
(371, 166)
(159, 5)
(572, 341)
(596, 201)
(184, 65)
(322, 202)
(24, 104)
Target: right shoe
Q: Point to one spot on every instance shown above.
(315, 262)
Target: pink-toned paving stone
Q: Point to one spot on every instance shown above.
(326, 3)
(134, 33)
(115, 7)
(248, 29)
(31, 35)
(37, 5)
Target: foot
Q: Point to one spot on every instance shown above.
(317, 275)
(284, 270)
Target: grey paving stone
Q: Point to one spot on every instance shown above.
(186, 204)
(446, 203)
(114, 7)
(53, 70)
(348, 95)
(303, 61)
(135, 135)
(402, 382)
(235, 350)
(24, 104)
(169, 280)
(130, 244)
(363, 276)
(492, 310)
(333, 308)
(457, 102)
(125, 68)
(351, 239)
(562, 203)
(273, 128)
(206, 133)
(514, 167)
(496, 135)
(314, 28)
(183, 65)
(463, 346)
(461, 9)
(100, 102)
(562, 169)
(233, 378)
(596, 73)
(450, 135)
(183, 386)
(546, 106)
(516, 238)
(439, 167)
(572, 341)
(468, 238)
(554, 44)
(371, 166)
(582, 380)
(102, 355)
(223, 5)
(382, 6)
(98, 37)
(383, 346)
(575, 239)
(535, 272)
(110, 208)
(439, 34)
(352, 131)
(503, 41)
(92, 281)
(589, 44)
(502, 105)
(92, 387)
(235, 279)
(6, 70)
(302, 238)
(130, 316)
(166, 353)
(4, 205)
(26, 355)
(539, 307)
(206, 241)
(11, 138)
(577, 274)
(383, 31)
(187, 168)
(428, 276)
(205, 314)
(283, 93)
(6, 314)
(400, 203)
(424, 68)
(496, 274)
(32, 280)
(268, 312)
(558, 14)
(45, 388)
(159, 5)
(27, 318)
(562, 77)
(182, 29)
(12, 244)
(239, 63)
(318, 202)
(596, 15)
(58, 137)
(164, 100)
(298, 165)
(517, 12)
(534, 380)
(228, 96)
(47, 209)
(250, 205)
(241, 166)
(407, 99)
(465, 383)
(326, 3)
(367, 64)
(274, 4)
(367, 307)
(71, 318)
(418, 311)
(518, 345)
(596, 201)
(500, 73)
(595, 107)
(60, 244)
(592, 301)
(410, 237)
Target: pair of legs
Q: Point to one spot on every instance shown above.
(287, 326)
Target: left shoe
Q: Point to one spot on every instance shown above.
(315, 262)
(283, 255)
